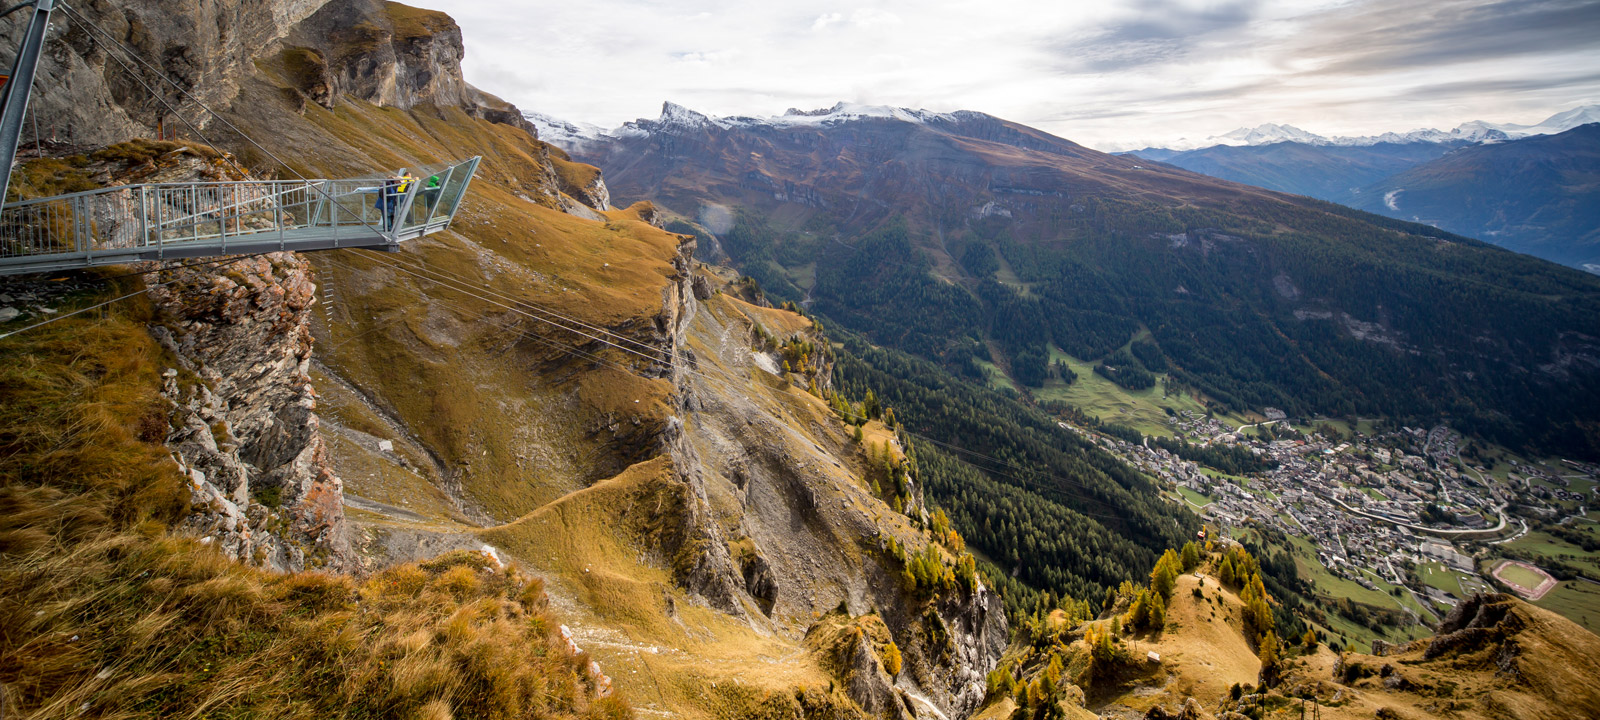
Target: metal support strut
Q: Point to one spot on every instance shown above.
(14, 97)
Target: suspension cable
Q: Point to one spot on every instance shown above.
(718, 382)
(159, 73)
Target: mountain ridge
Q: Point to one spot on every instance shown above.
(1475, 131)
(968, 181)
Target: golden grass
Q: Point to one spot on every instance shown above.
(106, 614)
(410, 22)
(574, 176)
(496, 425)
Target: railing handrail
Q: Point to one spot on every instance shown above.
(135, 186)
(190, 219)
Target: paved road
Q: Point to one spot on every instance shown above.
(1520, 533)
(1500, 510)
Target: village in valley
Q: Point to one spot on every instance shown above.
(1403, 519)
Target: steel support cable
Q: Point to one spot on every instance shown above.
(454, 285)
(15, 8)
(74, 14)
(998, 461)
(719, 383)
(163, 75)
(424, 266)
(135, 76)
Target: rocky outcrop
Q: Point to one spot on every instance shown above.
(244, 424)
(381, 52)
(205, 48)
(1482, 623)
(387, 54)
(857, 653)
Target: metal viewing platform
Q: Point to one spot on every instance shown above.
(167, 221)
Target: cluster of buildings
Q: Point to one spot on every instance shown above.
(1370, 505)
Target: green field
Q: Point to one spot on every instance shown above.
(1363, 425)
(1195, 499)
(1435, 574)
(1359, 639)
(1551, 547)
(1405, 599)
(803, 276)
(1576, 600)
(1142, 410)
(1520, 575)
(997, 379)
(1305, 560)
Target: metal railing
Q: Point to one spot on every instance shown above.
(147, 220)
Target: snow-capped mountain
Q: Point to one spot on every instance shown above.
(1557, 123)
(562, 133)
(1268, 134)
(569, 135)
(1476, 131)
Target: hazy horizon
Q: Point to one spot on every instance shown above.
(1113, 76)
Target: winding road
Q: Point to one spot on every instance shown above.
(1499, 510)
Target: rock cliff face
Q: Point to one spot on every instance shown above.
(206, 48)
(244, 424)
(385, 53)
(784, 484)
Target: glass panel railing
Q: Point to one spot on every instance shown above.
(214, 213)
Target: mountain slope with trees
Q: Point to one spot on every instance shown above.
(966, 239)
(1539, 195)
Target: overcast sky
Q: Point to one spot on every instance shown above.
(1110, 74)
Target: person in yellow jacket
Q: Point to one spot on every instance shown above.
(389, 198)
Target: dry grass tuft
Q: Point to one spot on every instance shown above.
(105, 614)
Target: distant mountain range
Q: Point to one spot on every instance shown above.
(972, 241)
(1529, 188)
(1539, 195)
(1476, 131)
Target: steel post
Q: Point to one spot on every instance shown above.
(14, 97)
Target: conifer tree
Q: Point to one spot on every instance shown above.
(1164, 577)
(1191, 556)
(1268, 654)
(891, 659)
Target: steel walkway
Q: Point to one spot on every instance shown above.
(165, 221)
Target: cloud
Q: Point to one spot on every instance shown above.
(706, 57)
(871, 18)
(826, 19)
(1155, 31)
(1512, 86)
(1097, 73)
(1376, 39)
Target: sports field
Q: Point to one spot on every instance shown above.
(1528, 580)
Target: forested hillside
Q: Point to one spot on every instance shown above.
(1325, 172)
(1539, 195)
(1040, 500)
(1014, 243)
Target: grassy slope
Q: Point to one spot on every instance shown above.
(526, 426)
(1203, 643)
(1555, 661)
(108, 613)
(400, 338)
(1577, 601)
(1142, 410)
